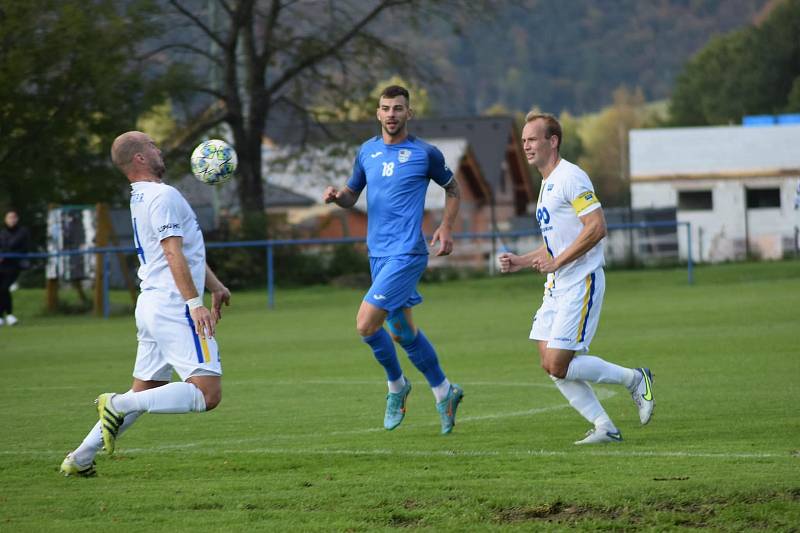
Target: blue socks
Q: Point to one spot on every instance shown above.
(383, 348)
(420, 352)
(423, 356)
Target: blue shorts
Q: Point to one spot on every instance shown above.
(394, 281)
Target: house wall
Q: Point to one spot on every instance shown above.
(346, 223)
(473, 214)
(473, 217)
(729, 230)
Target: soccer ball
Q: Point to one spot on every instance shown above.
(214, 161)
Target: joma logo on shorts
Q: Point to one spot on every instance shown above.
(168, 226)
(565, 339)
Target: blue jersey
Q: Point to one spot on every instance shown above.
(397, 177)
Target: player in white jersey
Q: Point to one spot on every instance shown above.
(573, 227)
(175, 329)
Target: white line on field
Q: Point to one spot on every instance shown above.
(377, 382)
(601, 393)
(492, 453)
(285, 382)
(216, 447)
(204, 449)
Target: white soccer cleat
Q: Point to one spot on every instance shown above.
(600, 436)
(643, 395)
(11, 320)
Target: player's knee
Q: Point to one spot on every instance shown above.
(555, 370)
(366, 328)
(212, 398)
(400, 329)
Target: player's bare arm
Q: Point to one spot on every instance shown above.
(444, 233)
(219, 293)
(594, 229)
(173, 252)
(343, 198)
(513, 263)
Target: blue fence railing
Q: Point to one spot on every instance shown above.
(270, 244)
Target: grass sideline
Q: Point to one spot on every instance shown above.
(297, 442)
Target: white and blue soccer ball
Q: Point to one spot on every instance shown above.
(214, 161)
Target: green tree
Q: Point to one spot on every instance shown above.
(571, 144)
(364, 108)
(298, 54)
(605, 144)
(69, 83)
(751, 71)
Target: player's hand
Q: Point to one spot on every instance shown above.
(218, 297)
(544, 264)
(204, 322)
(330, 195)
(510, 262)
(445, 238)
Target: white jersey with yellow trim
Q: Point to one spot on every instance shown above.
(159, 211)
(565, 195)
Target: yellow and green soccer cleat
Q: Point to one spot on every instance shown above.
(110, 421)
(70, 468)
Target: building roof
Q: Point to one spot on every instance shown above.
(719, 151)
(200, 194)
(297, 177)
(489, 136)
(307, 171)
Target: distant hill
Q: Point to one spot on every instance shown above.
(571, 54)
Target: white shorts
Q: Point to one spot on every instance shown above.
(167, 341)
(568, 318)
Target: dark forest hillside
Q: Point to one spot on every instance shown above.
(572, 54)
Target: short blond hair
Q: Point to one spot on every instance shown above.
(551, 125)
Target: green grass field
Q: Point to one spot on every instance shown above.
(298, 444)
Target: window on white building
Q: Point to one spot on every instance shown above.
(695, 201)
(763, 198)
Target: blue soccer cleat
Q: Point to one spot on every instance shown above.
(396, 407)
(447, 408)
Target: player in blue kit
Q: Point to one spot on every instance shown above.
(396, 169)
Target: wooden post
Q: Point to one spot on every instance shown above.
(52, 295)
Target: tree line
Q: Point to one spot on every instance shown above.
(75, 73)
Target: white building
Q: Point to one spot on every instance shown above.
(737, 186)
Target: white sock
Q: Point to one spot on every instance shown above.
(172, 398)
(595, 370)
(583, 399)
(441, 391)
(93, 442)
(604, 422)
(397, 385)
